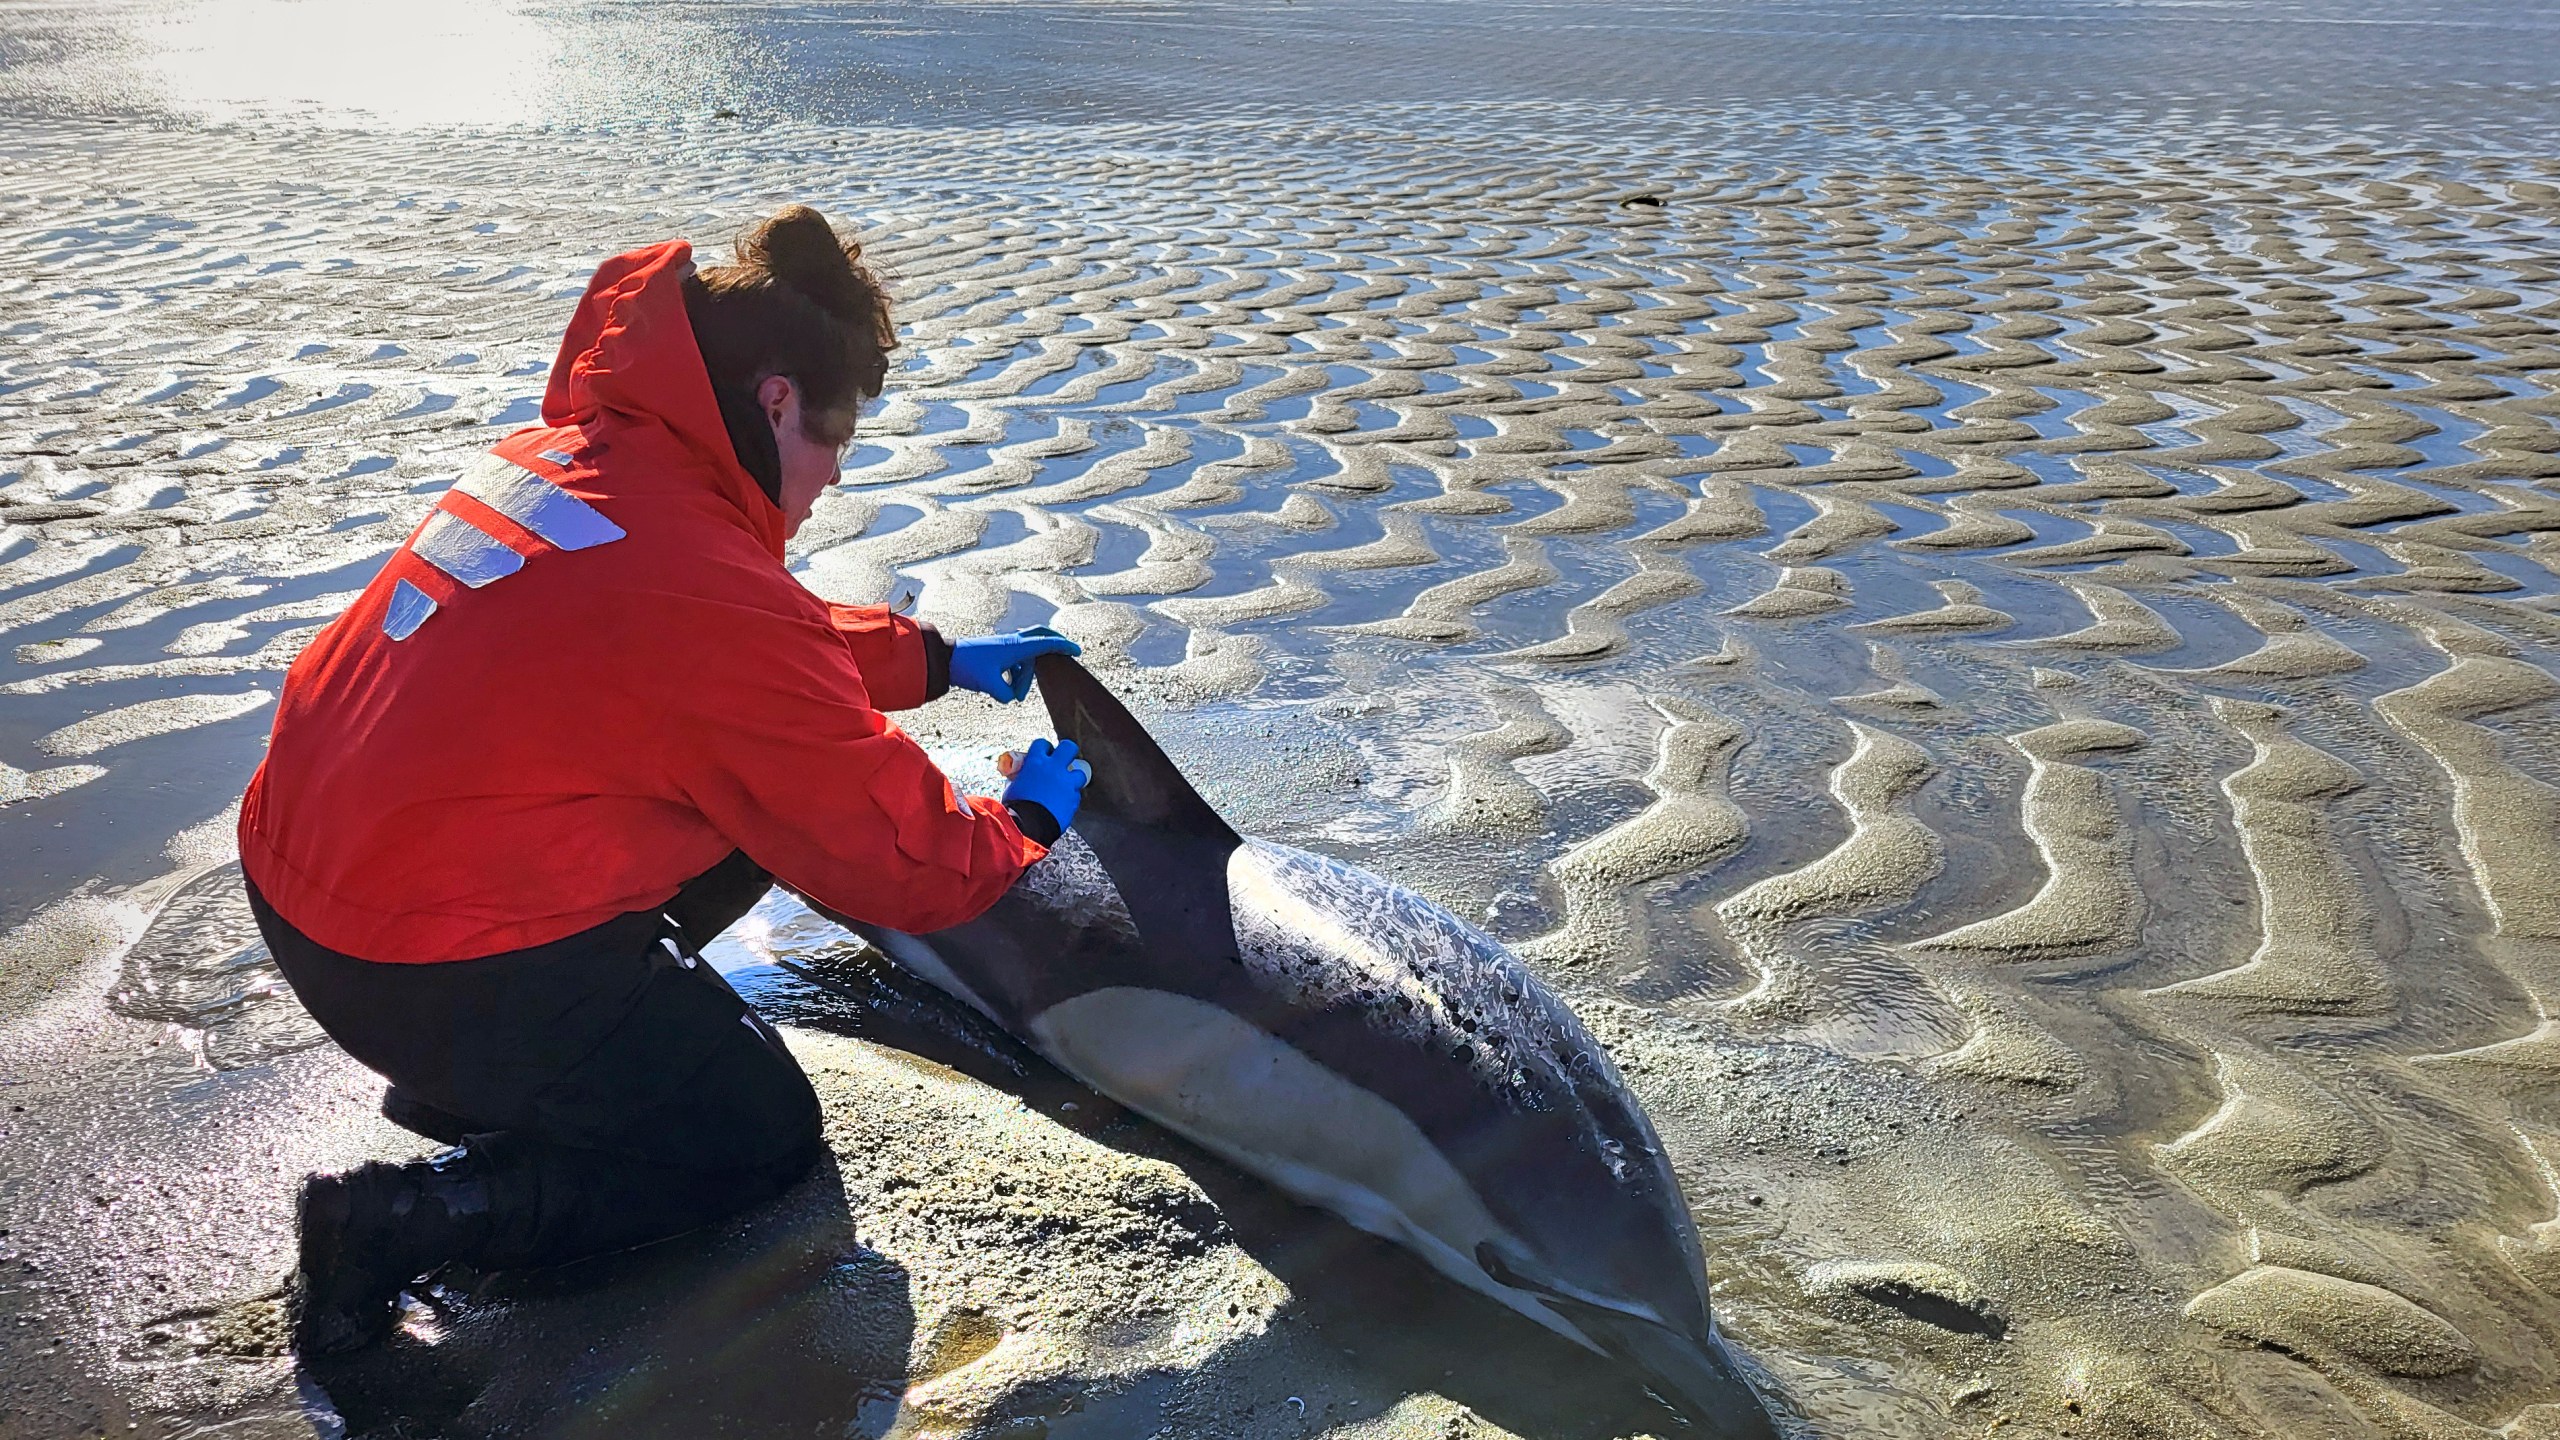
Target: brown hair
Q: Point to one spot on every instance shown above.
(796, 302)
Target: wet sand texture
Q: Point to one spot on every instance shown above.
(2000, 650)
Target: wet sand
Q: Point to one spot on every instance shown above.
(1980, 593)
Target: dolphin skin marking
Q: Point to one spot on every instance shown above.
(1348, 1041)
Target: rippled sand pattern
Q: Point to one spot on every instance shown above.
(2009, 671)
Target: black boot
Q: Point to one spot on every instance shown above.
(369, 1233)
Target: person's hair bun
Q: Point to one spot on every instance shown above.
(794, 257)
(797, 247)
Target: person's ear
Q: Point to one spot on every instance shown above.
(774, 394)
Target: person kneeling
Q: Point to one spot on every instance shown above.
(578, 725)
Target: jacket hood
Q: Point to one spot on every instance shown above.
(630, 353)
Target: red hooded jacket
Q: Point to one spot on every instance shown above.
(587, 677)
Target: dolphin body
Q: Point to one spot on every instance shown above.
(1348, 1041)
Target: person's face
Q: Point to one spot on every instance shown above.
(811, 443)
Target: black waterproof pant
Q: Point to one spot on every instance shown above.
(618, 1091)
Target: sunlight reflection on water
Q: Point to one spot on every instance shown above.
(462, 60)
(468, 62)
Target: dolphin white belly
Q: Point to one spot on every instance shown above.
(1259, 1103)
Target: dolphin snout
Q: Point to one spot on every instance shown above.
(1704, 1380)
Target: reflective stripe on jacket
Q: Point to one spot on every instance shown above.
(587, 677)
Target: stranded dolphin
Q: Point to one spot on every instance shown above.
(1348, 1041)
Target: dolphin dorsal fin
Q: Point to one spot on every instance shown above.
(1133, 782)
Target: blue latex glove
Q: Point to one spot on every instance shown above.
(1000, 665)
(1050, 777)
